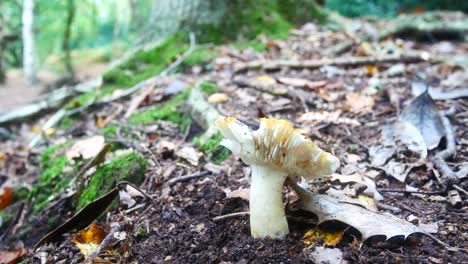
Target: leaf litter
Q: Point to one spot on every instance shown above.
(180, 226)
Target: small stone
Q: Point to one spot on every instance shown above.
(413, 219)
(168, 258)
(443, 233)
(217, 98)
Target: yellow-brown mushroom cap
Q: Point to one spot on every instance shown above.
(278, 145)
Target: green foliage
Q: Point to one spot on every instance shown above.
(109, 130)
(209, 88)
(213, 147)
(387, 9)
(52, 178)
(129, 167)
(168, 111)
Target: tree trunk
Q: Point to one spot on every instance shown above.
(169, 16)
(29, 53)
(2, 70)
(66, 38)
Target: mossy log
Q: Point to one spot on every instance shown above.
(430, 24)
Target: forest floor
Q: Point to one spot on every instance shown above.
(310, 79)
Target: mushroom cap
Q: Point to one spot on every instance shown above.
(278, 145)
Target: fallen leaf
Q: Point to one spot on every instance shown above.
(86, 148)
(189, 154)
(317, 235)
(371, 69)
(439, 93)
(6, 197)
(359, 103)
(217, 98)
(401, 148)
(88, 240)
(423, 114)
(358, 178)
(368, 223)
(11, 256)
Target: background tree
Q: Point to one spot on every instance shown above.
(66, 38)
(29, 53)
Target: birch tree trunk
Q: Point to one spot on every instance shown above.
(29, 53)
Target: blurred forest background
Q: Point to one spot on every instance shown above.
(68, 33)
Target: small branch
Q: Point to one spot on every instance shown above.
(187, 177)
(448, 176)
(408, 191)
(313, 64)
(233, 215)
(390, 208)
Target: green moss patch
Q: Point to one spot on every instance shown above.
(213, 148)
(52, 178)
(209, 88)
(129, 167)
(168, 111)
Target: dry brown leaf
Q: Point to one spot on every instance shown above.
(86, 148)
(359, 103)
(11, 256)
(89, 239)
(318, 236)
(6, 197)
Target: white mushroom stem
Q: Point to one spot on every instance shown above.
(267, 217)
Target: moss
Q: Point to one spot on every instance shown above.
(52, 178)
(80, 100)
(213, 147)
(109, 131)
(66, 122)
(5, 218)
(200, 56)
(209, 88)
(168, 111)
(130, 167)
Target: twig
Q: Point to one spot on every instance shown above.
(53, 120)
(105, 242)
(187, 177)
(460, 189)
(407, 208)
(390, 208)
(313, 64)
(232, 215)
(409, 191)
(448, 176)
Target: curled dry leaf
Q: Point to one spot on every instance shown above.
(401, 148)
(423, 114)
(362, 179)
(86, 148)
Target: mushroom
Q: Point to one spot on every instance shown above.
(275, 151)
